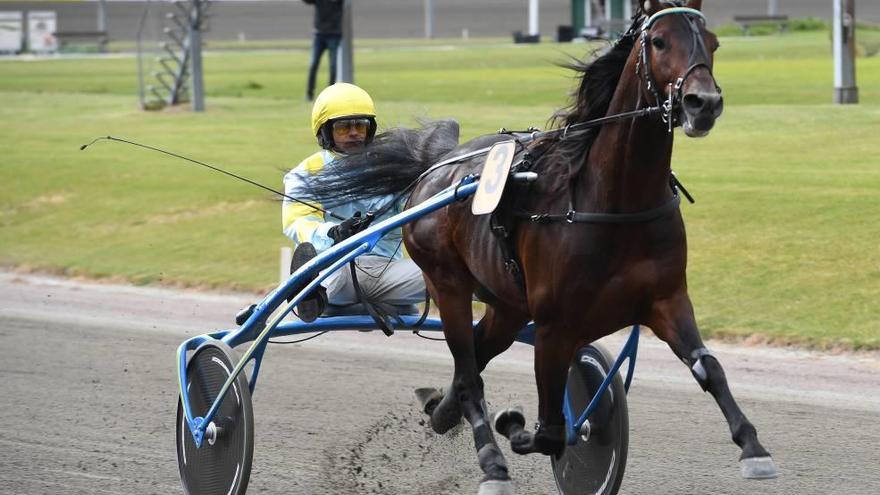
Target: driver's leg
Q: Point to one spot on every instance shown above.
(398, 283)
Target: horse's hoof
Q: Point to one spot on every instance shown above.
(509, 421)
(444, 420)
(758, 468)
(428, 399)
(446, 414)
(522, 442)
(496, 487)
(547, 441)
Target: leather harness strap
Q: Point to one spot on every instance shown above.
(589, 217)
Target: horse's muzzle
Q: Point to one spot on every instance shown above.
(699, 109)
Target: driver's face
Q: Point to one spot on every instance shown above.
(350, 134)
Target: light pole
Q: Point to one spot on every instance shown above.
(845, 89)
(429, 19)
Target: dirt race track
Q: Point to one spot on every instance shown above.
(88, 406)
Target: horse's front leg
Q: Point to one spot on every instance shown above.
(553, 352)
(673, 321)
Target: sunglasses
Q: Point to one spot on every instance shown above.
(343, 127)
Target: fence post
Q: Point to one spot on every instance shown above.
(195, 47)
(429, 19)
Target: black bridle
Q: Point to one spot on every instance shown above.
(699, 57)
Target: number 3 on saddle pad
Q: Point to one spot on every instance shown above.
(494, 176)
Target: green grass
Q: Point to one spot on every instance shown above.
(794, 68)
(782, 238)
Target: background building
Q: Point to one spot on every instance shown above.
(291, 19)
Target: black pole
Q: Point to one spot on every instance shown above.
(346, 58)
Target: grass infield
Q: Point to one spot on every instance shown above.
(782, 238)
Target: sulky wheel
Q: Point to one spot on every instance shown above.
(594, 465)
(222, 465)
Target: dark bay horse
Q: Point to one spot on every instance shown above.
(580, 280)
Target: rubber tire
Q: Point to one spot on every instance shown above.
(595, 467)
(225, 467)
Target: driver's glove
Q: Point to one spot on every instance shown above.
(349, 227)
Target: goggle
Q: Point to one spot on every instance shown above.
(343, 127)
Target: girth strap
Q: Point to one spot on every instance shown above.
(586, 217)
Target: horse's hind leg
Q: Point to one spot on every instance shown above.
(496, 331)
(494, 334)
(673, 321)
(444, 409)
(452, 292)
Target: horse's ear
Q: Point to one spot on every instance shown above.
(651, 7)
(695, 4)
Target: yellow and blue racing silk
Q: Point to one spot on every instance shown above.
(304, 224)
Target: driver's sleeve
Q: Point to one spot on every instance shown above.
(300, 222)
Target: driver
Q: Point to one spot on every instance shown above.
(344, 121)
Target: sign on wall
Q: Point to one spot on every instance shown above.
(11, 32)
(41, 28)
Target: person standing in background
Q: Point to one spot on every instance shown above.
(328, 34)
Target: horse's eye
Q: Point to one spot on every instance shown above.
(658, 43)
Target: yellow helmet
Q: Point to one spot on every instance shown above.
(342, 100)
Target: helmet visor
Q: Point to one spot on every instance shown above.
(343, 127)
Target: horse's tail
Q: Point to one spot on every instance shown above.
(390, 164)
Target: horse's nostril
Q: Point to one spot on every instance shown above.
(702, 102)
(693, 102)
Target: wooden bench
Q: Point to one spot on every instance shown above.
(65, 38)
(747, 21)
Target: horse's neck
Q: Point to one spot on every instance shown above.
(628, 165)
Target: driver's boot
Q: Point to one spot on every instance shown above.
(310, 308)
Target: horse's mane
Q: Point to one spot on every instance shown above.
(599, 79)
(390, 164)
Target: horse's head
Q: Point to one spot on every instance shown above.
(675, 62)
